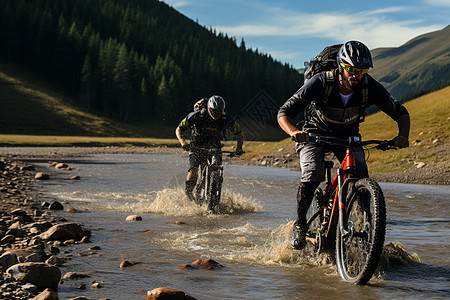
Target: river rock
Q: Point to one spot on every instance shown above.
(128, 263)
(204, 264)
(72, 210)
(41, 176)
(56, 206)
(75, 275)
(96, 285)
(8, 239)
(47, 294)
(134, 218)
(54, 260)
(163, 293)
(65, 231)
(61, 166)
(40, 274)
(8, 259)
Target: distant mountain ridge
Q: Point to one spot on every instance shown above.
(418, 67)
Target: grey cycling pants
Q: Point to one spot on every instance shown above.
(312, 158)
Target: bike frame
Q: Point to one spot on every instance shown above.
(211, 164)
(339, 184)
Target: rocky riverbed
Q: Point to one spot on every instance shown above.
(34, 242)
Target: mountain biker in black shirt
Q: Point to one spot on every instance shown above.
(207, 126)
(335, 114)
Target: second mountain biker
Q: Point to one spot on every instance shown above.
(207, 125)
(338, 115)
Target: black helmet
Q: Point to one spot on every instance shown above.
(216, 107)
(355, 54)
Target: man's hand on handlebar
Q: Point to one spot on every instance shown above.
(300, 136)
(239, 152)
(400, 142)
(186, 147)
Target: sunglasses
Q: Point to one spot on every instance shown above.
(352, 70)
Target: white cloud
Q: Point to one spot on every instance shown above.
(177, 3)
(375, 27)
(444, 3)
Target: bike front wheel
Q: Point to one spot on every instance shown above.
(214, 190)
(359, 240)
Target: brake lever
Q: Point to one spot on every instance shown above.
(386, 145)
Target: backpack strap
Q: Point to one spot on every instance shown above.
(365, 100)
(329, 75)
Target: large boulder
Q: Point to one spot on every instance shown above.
(63, 232)
(40, 274)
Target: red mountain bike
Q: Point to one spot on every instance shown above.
(349, 214)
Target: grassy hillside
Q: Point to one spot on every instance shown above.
(419, 66)
(30, 105)
(430, 128)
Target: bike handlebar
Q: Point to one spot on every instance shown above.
(215, 150)
(352, 142)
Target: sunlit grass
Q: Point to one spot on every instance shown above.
(44, 140)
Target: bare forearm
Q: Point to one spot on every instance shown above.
(180, 136)
(287, 125)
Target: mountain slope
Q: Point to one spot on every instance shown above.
(31, 106)
(136, 60)
(420, 66)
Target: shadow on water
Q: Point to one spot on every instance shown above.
(420, 279)
(402, 272)
(418, 222)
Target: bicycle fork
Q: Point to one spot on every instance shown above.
(340, 183)
(345, 180)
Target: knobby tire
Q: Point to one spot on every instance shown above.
(358, 251)
(314, 220)
(213, 190)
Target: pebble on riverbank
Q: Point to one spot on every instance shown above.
(29, 237)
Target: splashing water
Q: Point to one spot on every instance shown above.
(173, 202)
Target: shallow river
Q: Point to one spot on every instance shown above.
(250, 237)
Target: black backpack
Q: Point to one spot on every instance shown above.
(201, 104)
(327, 61)
(324, 61)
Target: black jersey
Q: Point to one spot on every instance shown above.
(334, 117)
(206, 132)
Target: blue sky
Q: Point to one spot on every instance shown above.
(295, 31)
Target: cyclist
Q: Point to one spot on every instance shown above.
(207, 125)
(336, 114)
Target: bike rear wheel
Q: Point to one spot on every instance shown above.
(314, 221)
(359, 241)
